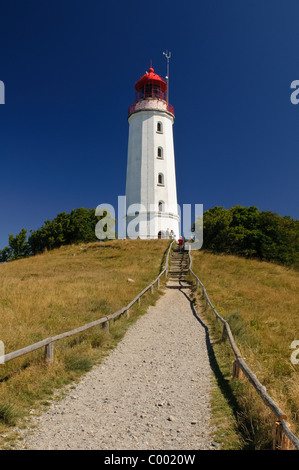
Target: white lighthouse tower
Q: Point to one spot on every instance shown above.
(151, 195)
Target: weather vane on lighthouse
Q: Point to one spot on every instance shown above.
(167, 55)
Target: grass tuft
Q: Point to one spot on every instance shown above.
(78, 364)
(8, 414)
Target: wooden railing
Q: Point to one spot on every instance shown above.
(282, 435)
(48, 343)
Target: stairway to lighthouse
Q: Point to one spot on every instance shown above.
(179, 268)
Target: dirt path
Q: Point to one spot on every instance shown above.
(151, 392)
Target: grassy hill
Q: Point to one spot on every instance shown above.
(58, 291)
(65, 288)
(260, 302)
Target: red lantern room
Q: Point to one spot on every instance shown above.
(150, 87)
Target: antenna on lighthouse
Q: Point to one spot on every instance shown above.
(167, 55)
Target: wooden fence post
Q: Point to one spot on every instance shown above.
(138, 300)
(49, 352)
(106, 326)
(280, 440)
(237, 371)
(152, 289)
(224, 333)
(127, 313)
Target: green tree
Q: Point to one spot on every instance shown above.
(82, 225)
(65, 229)
(246, 231)
(17, 248)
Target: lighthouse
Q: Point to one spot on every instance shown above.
(151, 194)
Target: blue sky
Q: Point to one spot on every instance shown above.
(69, 69)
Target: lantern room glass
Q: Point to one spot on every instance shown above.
(150, 90)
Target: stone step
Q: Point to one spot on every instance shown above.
(177, 255)
(180, 255)
(179, 268)
(178, 276)
(180, 263)
(177, 284)
(178, 271)
(173, 270)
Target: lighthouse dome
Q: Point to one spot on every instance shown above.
(151, 78)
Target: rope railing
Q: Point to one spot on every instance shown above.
(48, 343)
(282, 435)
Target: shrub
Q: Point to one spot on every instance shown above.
(248, 232)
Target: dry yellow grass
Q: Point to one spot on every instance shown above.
(260, 301)
(62, 289)
(58, 291)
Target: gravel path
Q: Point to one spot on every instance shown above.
(152, 392)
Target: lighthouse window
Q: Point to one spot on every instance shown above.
(159, 127)
(161, 206)
(160, 178)
(160, 152)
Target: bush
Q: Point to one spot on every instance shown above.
(248, 232)
(65, 229)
